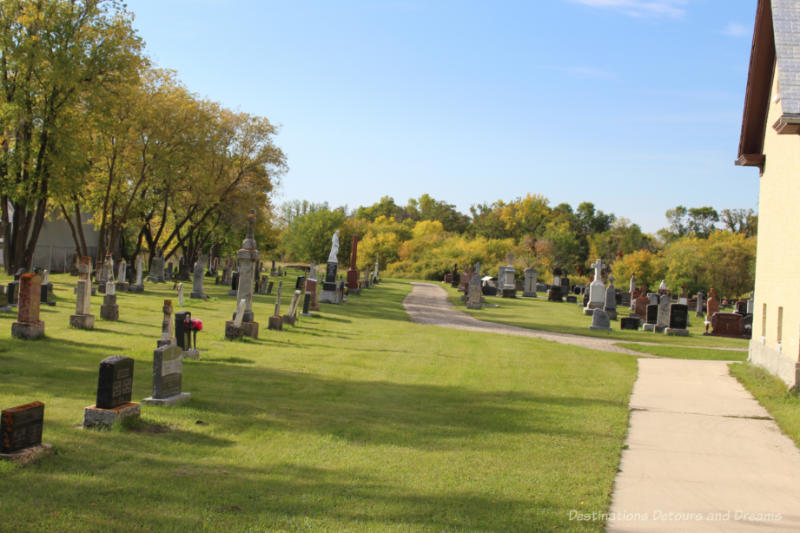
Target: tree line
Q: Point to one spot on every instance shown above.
(427, 237)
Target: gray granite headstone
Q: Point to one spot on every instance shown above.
(167, 371)
(600, 320)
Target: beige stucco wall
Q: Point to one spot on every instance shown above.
(778, 253)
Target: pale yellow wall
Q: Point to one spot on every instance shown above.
(778, 256)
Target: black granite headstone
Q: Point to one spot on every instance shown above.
(330, 272)
(629, 322)
(115, 383)
(183, 330)
(235, 281)
(678, 316)
(167, 371)
(21, 427)
(306, 303)
(652, 314)
(300, 283)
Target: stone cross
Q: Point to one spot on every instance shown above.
(598, 269)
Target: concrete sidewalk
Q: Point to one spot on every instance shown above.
(702, 455)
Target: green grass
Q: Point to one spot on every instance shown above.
(538, 313)
(771, 392)
(353, 420)
(686, 352)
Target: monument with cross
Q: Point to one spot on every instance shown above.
(597, 290)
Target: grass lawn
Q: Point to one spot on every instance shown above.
(538, 313)
(355, 419)
(771, 392)
(686, 352)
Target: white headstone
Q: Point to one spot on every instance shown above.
(180, 294)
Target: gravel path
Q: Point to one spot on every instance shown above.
(427, 304)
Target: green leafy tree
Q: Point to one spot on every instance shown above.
(55, 57)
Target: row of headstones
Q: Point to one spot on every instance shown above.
(21, 426)
(9, 295)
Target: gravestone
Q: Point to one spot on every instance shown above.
(83, 319)
(529, 283)
(474, 292)
(454, 280)
(13, 287)
(272, 271)
(28, 326)
(600, 320)
(247, 257)
(291, 316)
(610, 307)
(21, 427)
(269, 287)
(642, 301)
(728, 325)
(4, 307)
(629, 322)
(311, 287)
(509, 283)
(678, 320)
(138, 286)
(122, 276)
(234, 284)
(262, 284)
(156, 274)
(46, 295)
(169, 273)
(306, 304)
(106, 273)
(632, 292)
(330, 293)
(227, 271)
(651, 317)
(712, 304)
(167, 329)
(662, 318)
(653, 297)
(276, 321)
(597, 290)
(197, 280)
(741, 307)
(352, 272)
(167, 377)
(750, 304)
(114, 390)
(109, 310)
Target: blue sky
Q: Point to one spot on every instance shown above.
(634, 105)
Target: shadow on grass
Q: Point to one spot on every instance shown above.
(225, 360)
(367, 412)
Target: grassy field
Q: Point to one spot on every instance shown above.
(771, 392)
(538, 313)
(353, 420)
(686, 352)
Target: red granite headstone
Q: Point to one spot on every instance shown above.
(30, 288)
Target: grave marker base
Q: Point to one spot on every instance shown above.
(677, 332)
(27, 455)
(172, 400)
(95, 417)
(27, 330)
(330, 297)
(232, 331)
(81, 321)
(275, 322)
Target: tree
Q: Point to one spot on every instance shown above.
(646, 267)
(54, 57)
(308, 237)
(740, 221)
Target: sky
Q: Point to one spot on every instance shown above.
(634, 105)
